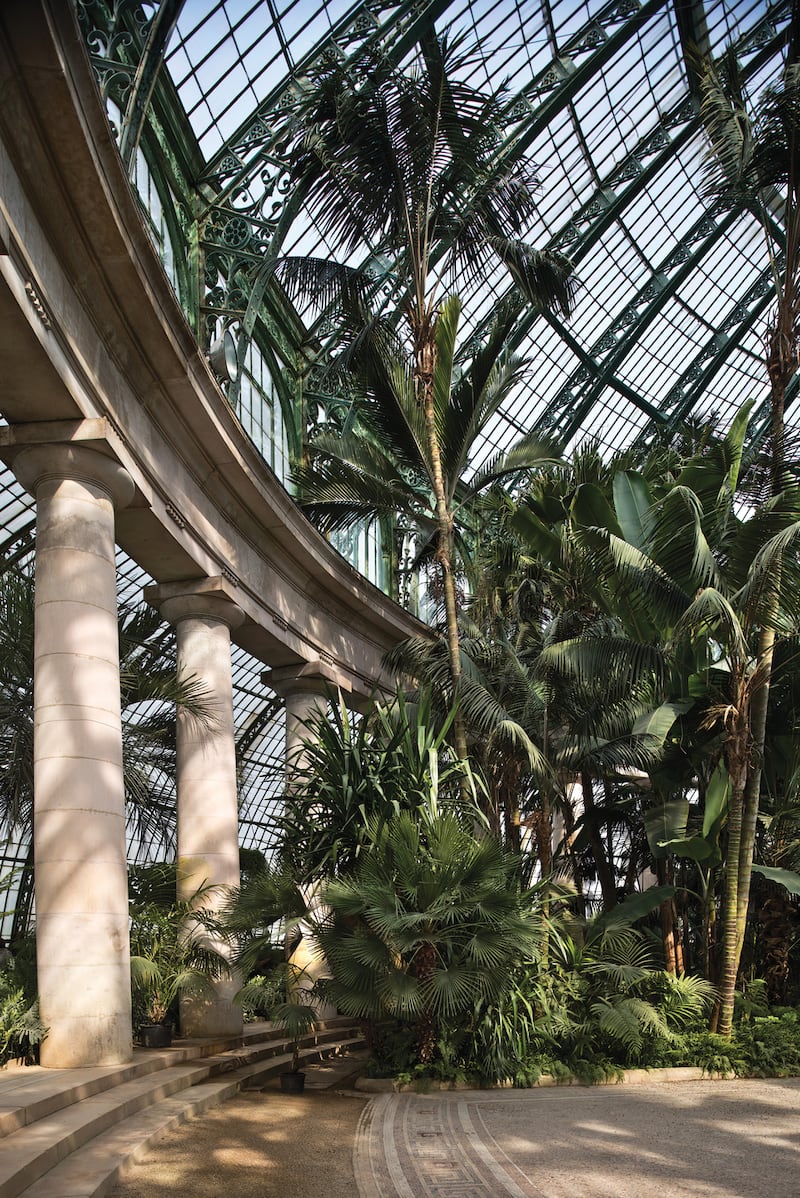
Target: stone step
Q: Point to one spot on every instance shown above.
(29, 1094)
(95, 1170)
(55, 1130)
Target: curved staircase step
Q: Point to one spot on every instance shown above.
(78, 1130)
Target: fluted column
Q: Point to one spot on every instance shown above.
(81, 880)
(208, 818)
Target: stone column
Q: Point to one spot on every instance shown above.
(305, 690)
(203, 614)
(83, 956)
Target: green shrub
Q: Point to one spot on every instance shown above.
(21, 1029)
(259, 995)
(769, 1046)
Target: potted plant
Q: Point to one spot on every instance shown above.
(168, 960)
(292, 1015)
(297, 1019)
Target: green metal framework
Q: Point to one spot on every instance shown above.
(675, 289)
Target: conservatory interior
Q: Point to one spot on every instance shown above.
(400, 529)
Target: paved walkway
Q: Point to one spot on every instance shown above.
(735, 1139)
(710, 1139)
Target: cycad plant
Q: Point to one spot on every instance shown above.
(431, 920)
(409, 163)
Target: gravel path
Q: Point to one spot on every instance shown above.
(734, 1139)
(256, 1145)
(715, 1139)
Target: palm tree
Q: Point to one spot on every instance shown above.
(385, 467)
(431, 921)
(410, 162)
(707, 581)
(755, 161)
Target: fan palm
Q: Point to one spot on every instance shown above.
(411, 163)
(431, 920)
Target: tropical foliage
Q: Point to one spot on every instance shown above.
(21, 1028)
(401, 162)
(171, 957)
(356, 777)
(430, 921)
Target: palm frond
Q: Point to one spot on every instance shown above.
(710, 614)
(544, 277)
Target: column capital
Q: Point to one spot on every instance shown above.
(82, 450)
(196, 598)
(314, 677)
(36, 464)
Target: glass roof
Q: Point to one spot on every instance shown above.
(674, 290)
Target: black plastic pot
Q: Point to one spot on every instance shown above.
(155, 1035)
(293, 1083)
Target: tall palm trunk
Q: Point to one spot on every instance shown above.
(424, 367)
(426, 1029)
(781, 366)
(759, 156)
(737, 755)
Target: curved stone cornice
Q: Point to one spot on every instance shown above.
(93, 332)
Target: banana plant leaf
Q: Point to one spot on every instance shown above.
(696, 848)
(537, 536)
(666, 824)
(591, 509)
(784, 877)
(632, 502)
(717, 799)
(658, 722)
